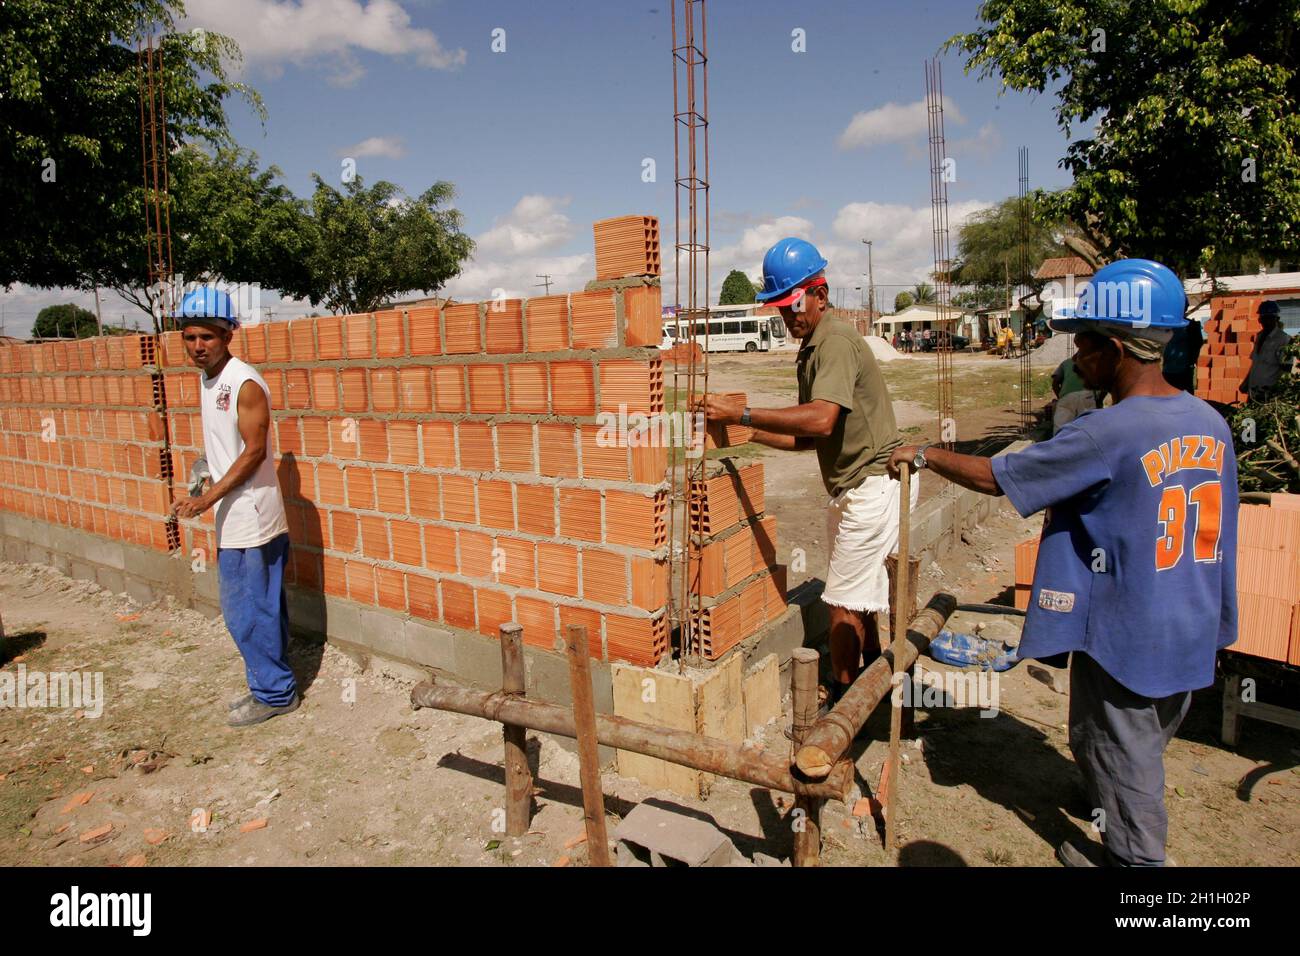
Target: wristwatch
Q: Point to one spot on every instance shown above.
(919, 462)
(744, 418)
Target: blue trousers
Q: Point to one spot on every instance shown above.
(1118, 739)
(256, 610)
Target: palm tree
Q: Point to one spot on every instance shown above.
(923, 294)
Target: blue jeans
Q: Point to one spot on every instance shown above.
(256, 610)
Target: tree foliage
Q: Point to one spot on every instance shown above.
(737, 289)
(372, 243)
(68, 321)
(71, 183)
(989, 254)
(903, 300)
(1191, 115)
(1270, 461)
(923, 294)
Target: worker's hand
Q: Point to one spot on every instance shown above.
(191, 507)
(901, 458)
(722, 409)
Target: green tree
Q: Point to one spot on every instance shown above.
(737, 289)
(989, 251)
(923, 294)
(903, 300)
(371, 244)
(1194, 113)
(71, 186)
(235, 222)
(67, 321)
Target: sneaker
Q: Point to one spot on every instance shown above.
(237, 702)
(254, 712)
(1069, 855)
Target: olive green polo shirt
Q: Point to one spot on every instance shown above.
(835, 364)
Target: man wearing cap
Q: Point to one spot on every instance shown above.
(1266, 359)
(845, 415)
(1136, 571)
(251, 528)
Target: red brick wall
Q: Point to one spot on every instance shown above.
(441, 462)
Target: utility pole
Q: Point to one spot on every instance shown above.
(99, 319)
(546, 281)
(871, 277)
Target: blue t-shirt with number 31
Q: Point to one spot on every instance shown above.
(1137, 566)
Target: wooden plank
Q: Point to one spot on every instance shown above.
(666, 701)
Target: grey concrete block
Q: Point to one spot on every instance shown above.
(429, 645)
(653, 836)
(477, 661)
(103, 551)
(111, 579)
(81, 570)
(140, 590)
(206, 585)
(37, 554)
(342, 619)
(381, 632)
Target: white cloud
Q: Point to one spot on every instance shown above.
(902, 238)
(983, 144)
(272, 32)
(519, 247)
(393, 147)
(893, 123)
(535, 224)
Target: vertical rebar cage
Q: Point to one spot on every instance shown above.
(939, 172)
(1022, 278)
(691, 287)
(153, 160)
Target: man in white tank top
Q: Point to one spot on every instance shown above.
(252, 531)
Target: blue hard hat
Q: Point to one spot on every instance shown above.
(1139, 293)
(209, 303)
(786, 266)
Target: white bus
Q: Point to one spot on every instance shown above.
(734, 328)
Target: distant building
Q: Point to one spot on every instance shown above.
(1063, 275)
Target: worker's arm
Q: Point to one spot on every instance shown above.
(970, 471)
(254, 425)
(791, 429)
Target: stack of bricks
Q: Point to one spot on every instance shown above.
(83, 439)
(627, 246)
(448, 462)
(1268, 579)
(741, 586)
(1225, 358)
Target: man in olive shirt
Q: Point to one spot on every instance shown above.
(845, 414)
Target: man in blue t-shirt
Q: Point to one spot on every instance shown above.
(1136, 572)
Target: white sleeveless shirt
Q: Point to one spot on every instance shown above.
(252, 513)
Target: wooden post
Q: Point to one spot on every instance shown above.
(913, 588)
(584, 720)
(807, 811)
(519, 778)
(829, 740)
(902, 602)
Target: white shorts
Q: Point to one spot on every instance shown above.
(862, 528)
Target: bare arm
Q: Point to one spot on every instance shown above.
(970, 471)
(254, 425)
(789, 429)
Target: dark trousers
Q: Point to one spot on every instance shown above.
(1118, 739)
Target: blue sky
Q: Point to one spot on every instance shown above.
(551, 134)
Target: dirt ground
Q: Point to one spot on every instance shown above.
(356, 777)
